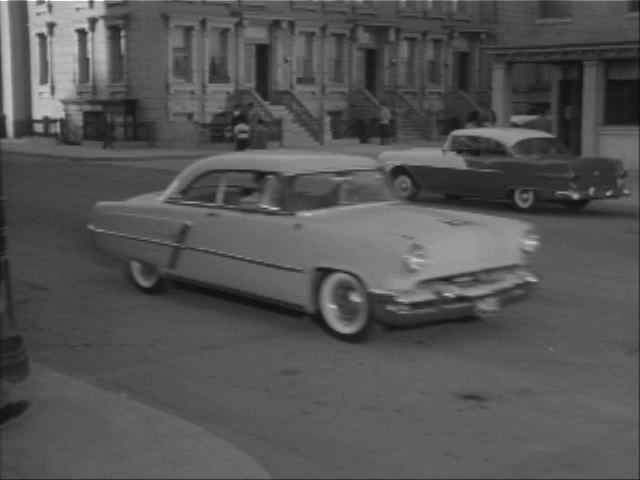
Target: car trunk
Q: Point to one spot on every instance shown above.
(596, 170)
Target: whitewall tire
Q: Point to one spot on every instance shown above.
(524, 199)
(343, 307)
(405, 186)
(145, 277)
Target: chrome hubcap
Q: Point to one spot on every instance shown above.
(404, 186)
(524, 198)
(347, 302)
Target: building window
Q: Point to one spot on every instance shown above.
(219, 55)
(43, 59)
(336, 58)
(305, 74)
(554, 9)
(435, 62)
(460, 7)
(437, 7)
(633, 5)
(621, 93)
(411, 5)
(408, 62)
(83, 60)
(116, 54)
(489, 11)
(182, 54)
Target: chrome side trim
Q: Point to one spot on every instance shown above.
(165, 243)
(255, 261)
(288, 268)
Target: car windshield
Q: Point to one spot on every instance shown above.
(315, 191)
(540, 146)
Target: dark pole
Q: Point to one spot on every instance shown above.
(6, 300)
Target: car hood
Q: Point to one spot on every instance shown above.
(452, 238)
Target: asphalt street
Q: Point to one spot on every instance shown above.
(545, 389)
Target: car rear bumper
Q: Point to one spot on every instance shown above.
(593, 193)
(447, 301)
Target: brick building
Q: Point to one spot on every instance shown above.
(579, 57)
(171, 66)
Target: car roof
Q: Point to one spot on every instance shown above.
(505, 135)
(282, 161)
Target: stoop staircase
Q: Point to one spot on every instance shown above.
(294, 134)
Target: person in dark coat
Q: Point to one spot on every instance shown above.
(109, 133)
(259, 135)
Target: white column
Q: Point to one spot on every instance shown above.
(592, 92)
(240, 54)
(501, 92)
(92, 52)
(293, 59)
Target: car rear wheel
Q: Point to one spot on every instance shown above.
(145, 277)
(344, 307)
(575, 204)
(524, 199)
(405, 186)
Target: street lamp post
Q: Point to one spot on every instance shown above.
(6, 300)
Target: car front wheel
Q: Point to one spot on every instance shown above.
(405, 186)
(145, 277)
(344, 307)
(524, 199)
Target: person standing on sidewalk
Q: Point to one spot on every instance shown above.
(109, 133)
(241, 133)
(384, 125)
(259, 135)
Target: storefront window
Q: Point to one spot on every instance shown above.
(621, 93)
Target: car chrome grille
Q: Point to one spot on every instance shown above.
(473, 279)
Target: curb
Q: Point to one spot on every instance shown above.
(110, 437)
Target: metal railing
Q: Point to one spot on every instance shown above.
(301, 114)
(273, 123)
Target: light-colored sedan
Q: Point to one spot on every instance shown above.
(323, 233)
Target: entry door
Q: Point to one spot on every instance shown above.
(262, 70)
(462, 69)
(371, 70)
(570, 107)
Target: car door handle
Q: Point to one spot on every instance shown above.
(211, 214)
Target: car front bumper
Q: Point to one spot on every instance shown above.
(445, 301)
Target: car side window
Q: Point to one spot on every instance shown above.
(491, 147)
(204, 189)
(249, 190)
(465, 144)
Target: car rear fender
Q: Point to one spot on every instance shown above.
(141, 236)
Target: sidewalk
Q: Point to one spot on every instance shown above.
(93, 151)
(74, 430)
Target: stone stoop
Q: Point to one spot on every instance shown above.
(294, 134)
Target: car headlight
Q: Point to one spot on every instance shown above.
(415, 258)
(530, 242)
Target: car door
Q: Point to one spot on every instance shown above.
(478, 178)
(245, 242)
(199, 205)
(497, 168)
